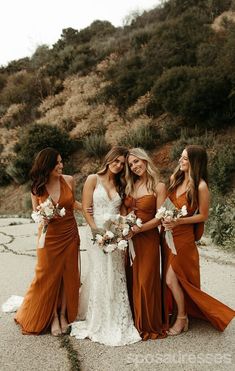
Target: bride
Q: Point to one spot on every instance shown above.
(108, 319)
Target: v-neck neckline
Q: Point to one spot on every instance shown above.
(181, 194)
(110, 199)
(59, 193)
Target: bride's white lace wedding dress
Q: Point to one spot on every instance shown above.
(108, 318)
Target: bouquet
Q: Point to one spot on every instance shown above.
(116, 228)
(169, 212)
(46, 210)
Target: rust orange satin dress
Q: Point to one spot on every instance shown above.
(57, 264)
(186, 266)
(143, 277)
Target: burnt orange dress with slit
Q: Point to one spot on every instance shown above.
(57, 265)
(143, 277)
(185, 264)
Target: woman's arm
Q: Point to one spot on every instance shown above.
(203, 208)
(123, 209)
(153, 223)
(87, 199)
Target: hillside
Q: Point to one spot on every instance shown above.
(165, 79)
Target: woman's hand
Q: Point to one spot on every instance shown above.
(170, 224)
(45, 221)
(134, 230)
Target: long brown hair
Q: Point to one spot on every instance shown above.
(44, 163)
(111, 156)
(198, 160)
(152, 171)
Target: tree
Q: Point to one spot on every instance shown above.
(34, 140)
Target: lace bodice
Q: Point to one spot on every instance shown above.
(103, 205)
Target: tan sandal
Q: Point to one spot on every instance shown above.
(64, 324)
(173, 332)
(55, 327)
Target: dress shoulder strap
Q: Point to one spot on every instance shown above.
(98, 180)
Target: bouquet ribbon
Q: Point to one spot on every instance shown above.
(168, 204)
(131, 251)
(170, 242)
(42, 230)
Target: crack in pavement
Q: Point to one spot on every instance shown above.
(8, 235)
(8, 249)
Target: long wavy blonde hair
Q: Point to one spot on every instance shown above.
(197, 170)
(152, 172)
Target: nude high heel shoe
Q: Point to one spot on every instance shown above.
(64, 324)
(173, 332)
(55, 327)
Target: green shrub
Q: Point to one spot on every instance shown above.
(170, 131)
(221, 223)
(33, 140)
(222, 168)
(95, 145)
(145, 136)
(192, 136)
(197, 93)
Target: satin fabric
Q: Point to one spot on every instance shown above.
(143, 277)
(57, 265)
(185, 264)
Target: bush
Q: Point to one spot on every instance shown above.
(221, 223)
(222, 168)
(4, 176)
(192, 136)
(34, 140)
(196, 93)
(144, 136)
(96, 145)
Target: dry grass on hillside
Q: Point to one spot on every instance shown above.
(218, 22)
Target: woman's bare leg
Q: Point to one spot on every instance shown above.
(55, 325)
(63, 320)
(177, 292)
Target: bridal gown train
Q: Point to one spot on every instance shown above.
(108, 318)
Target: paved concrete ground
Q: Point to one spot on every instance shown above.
(201, 348)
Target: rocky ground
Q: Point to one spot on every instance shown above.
(201, 348)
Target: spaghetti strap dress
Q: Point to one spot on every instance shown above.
(57, 265)
(185, 264)
(145, 286)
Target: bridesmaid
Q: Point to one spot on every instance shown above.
(189, 186)
(54, 290)
(145, 194)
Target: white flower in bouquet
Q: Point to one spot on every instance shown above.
(109, 235)
(99, 238)
(126, 230)
(184, 210)
(122, 245)
(110, 247)
(62, 212)
(160, 212)
(131, 218)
